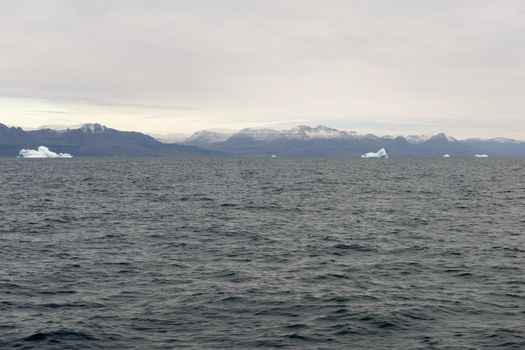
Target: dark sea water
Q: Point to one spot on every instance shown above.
(262, 253)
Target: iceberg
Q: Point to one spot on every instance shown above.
(481, 156)
(446, 156)
(42, 152)
(379, 154)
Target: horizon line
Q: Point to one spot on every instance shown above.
(234, 131)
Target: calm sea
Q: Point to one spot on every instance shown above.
(262, 253)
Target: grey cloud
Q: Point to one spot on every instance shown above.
(271, 61)
(51, 112)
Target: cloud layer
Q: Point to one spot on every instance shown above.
(171, 66)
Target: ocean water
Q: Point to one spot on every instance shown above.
(262, 254)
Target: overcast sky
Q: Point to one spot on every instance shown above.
(176, 66)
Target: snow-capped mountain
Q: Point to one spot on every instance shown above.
(89, 128)
(170, 138)
(303, 132)
(205, 137)
(441, 137)
(257, 134)
(92, 128)
(416, 138)
(324, 141)
(91, 140)
(496, 140)
(97, 140)
(57, 127)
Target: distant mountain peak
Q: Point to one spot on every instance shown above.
(88, 128)
(58, 127)
(203, 132)
(300, 128)
(319, 132)
(324, 128)
(94, 139)
(204, 137)
(256, 130)
(258, 134)
(443, 137)
(93, 128)
(505, 140)
(10, 127)
(299, 132)
(416, 138)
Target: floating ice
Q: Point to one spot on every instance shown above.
(379, 154)
(42, 152)
(481, 155)
(446, 156)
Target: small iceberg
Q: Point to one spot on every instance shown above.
(274, 155)
(42, 152)
(481, 155)
(379, 154)
(446, 156)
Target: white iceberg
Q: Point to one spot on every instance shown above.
(446, 156)
(379, 154)
(42, 152)
(481, 156)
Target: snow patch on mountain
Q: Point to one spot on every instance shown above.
(90, 128)
(416, 138)
(208, 136)
(442, 137)
(258, 134)
(93, 128)
(502, 140)
(57, 127)
(301, 132)
(170, 138)
(320, 132)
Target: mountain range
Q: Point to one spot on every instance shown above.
(92, 140)
(324, 141)
(321, 141)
